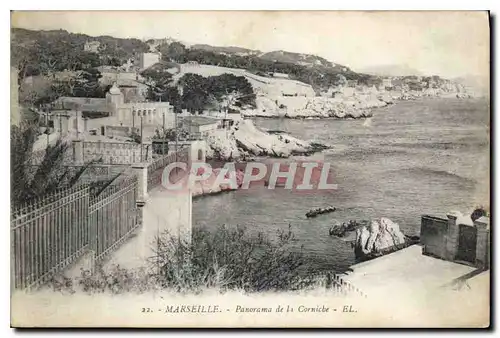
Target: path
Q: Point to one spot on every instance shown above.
(406, 271)
(163, 211)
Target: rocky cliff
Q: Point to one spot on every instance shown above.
(245, 140)
(376, 237)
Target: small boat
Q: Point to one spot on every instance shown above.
(319, 211)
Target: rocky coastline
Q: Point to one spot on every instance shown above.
(244, 141)
(371, 239)
(353, 105)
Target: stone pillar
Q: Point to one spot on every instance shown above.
(85, 124)
(78, 156)
(79, 123)
(141, 171)
(64, 124)
(451, 237)
(57, 123)
(483, 242)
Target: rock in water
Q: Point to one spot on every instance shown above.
(377, 236)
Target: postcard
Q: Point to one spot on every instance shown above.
(250, 169)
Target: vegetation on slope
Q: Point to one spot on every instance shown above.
(44, 52)
(224, 259)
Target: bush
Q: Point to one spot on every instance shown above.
(226, 259)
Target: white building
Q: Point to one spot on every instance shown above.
(117, 111)
(132, 112)
(386, 83)
(199, 125)
(146, 60)
(92, 46)
(280, 75)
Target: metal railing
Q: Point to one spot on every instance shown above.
(330, 281)
(50, 233)
(155, 169)
(113, 216)
(47, 235)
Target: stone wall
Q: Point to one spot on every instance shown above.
(122, 131)
(115, 152)
(483, 242)
(433, 235)
(450, 239)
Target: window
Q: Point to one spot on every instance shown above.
(200, 155)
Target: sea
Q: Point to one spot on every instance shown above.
(412, 158)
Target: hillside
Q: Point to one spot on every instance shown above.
(392, 70)
(41, 52)
(269, 86)
(47, 52)
(296, 58)
(274, 56)
(227, 50)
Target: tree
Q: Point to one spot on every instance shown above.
(160, 88)
(50, 175)
(157, 75)
(224, 86)
(340, 80)
(87, 84)
(175, 51)
(195, 94)
(40, 90)
(23, 58)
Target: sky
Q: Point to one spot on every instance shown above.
(450, 44)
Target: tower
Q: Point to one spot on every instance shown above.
(114, 98)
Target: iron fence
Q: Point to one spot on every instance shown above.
(155, 169)
(50, 233)
(331, 281)
(113, 216)
(47, 235)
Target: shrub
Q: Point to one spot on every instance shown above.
(50, 175)
(226, 259)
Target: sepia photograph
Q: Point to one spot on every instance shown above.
(250, 169)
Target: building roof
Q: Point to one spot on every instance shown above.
(199, 120)
(74, 103)
(97, 108)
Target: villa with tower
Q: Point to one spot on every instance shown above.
(121, 109)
